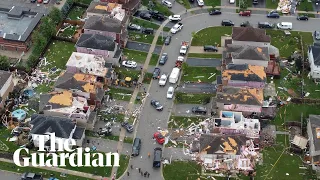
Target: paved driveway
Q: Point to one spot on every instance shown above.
(138, 46)
(197, 88)
(203, 62)
(185, 109)
(261, 4)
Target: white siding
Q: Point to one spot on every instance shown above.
(315, 70)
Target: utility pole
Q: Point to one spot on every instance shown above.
(301, 123)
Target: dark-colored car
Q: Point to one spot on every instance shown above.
(33, 1)
(136, 146)
(255, 2)
(147, 31)
(134, 27)
(167, 41)
(245, 24)
(163, 59)
(127, 126)
(210, 48)
(199, 110)
(157, 157)
(215, 12)
(156, 73)
(227, 23)
(146, 16)
(303, 18)
(245, 13)
(157, 15)
(265, 25)
(31, 176)
(273, 14)
(156, 105)
(316, 35)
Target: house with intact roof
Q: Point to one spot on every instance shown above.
(250, 36)
(314, 61)
(63, 128)
(313, 130)
(69, 105)
(6, 86)
(243, 75)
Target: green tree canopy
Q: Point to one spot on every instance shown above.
(4, 63)
(56, 15)
(47, 27)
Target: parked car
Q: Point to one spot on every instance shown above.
(316, 35)
(167, 41)
(245, 13)
(255, 2)
(157, 15)
(170, 92)
(215, 12)
(285, 25)
(159, 138)
(157, 157)
(273, 14)
(210, 48)
(200, 3)
(163, 80)
(146, 16)
(231, 1)
(127, 126)
(46, 1)
(163, 59)
(175, 18)
(136, 146)
(30, 176)
(134, 27)
(147, 31)
(167, 3)
(156, 73)
(156, 105)
(176, 28)
(303, 18)
(199, 110)
(265, 25)
(129, 64)
(105, 131)
(33, 1)
(40, 1)
(227, 23)
(245, 24)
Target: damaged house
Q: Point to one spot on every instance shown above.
(84, 85)
(67, 104)
(313, 130)
(131, 6)
(63, 128)
(105, 9)
(6, 86)
(249, 100)
(314, 61)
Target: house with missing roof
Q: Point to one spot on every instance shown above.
(314, 61)
(247, 100)
(63, 128)
(69, 105)
(17, 24)
(313, 130)
(84, 85)
(243, 75)
(96, 65)
(113, 10)
(130, 6)
(107, 26)
(6, 86)
(250, 36)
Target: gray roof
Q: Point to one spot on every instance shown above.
(315, 123)
(235, 95)
(68, 82)
(103, 24)
(96, 41)
(46, 105)
(62, 127)
(248, 52)
(316, 54)
(250, 34)
(92, 116)
(4, 76)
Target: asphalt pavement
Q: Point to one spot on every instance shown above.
(144, 47)
(200, 62)
(5, 175)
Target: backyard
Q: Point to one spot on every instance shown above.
(210, 35)
(199, 74)
(120, 94)
(187, 98)
(76, 12)
(182, 121)
(68, 32)
(212, 3)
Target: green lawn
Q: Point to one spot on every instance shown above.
(186, 98)
(154, 60)
(182, 121)
(124, 161)
(138, 56)
(272, 4)
(144, 38)
(199, 55)
(210, 36)
(93, 134)
(185, 3)
(6, 145)
(182, 170)
(305, 6)
(108, 117)
(158, 7)
(85, 1)
(134, 74)
(128, 140)
(148, 24)
(211, 3)
(44, 88)
(76, 12)
(69, 32)
(120, 94)
(199, 74)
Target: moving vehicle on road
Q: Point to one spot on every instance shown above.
(157, 157)
(284, 25)
(167, 3)
(159, 138)
(176, 28)
(303, 18)
(147, 31)
(31, 176)
(167, 41)
(245, 24)
(156, 73)
(273, 14)
(200, 3)
(163, 59)
(175, 18)
(174, 76)
(215, 12)
(129, 64)
(134, 27)
(210, 48)
(226, 22)
(316, 35)
(184, 48)
(199, 110)
(156, 105)
(265, 25)
(245, 13)
(127, 126)
(170, 92)
(146, 16)
(163, 80)
(136, 146)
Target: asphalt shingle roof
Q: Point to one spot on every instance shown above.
(4, 76)
(96, 41)
(249, 52)
(103, 24)
(250, 34)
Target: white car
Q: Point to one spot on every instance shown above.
(163, 80)
(177, 27)
(129, 64)
(175, 18)
(167, 3)
(170, 92)
(46, 1)
(231, 1)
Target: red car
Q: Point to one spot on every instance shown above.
(245, 13)
(158, 136)
(40, 1)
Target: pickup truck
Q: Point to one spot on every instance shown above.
(163, 80)
(184, 47)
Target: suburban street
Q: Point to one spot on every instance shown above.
(151, 119)
(8, 175)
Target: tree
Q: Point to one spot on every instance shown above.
(4, 63)
(47, 28)
(40, 43)
(55, 15)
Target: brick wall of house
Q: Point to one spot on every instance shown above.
(14, 45)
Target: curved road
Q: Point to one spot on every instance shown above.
(151, 119)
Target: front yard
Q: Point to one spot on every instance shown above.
(134, 74)
(199, 74)
(140, 57)
(182, 170)
(210, 36)
(120, 94)
(144, 38)
(183, 122)
(272, 4)
(186, 98)
(212, 3)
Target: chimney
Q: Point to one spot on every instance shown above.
(225, 81)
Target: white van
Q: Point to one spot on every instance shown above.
(284, 25)
(174, 76)
(200, 2)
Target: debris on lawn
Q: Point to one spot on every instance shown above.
(212, 75)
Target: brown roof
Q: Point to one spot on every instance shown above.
(247, 96)
(250, 34)
(245, 73)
